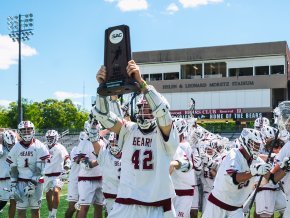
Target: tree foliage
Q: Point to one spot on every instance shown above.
(49, 114)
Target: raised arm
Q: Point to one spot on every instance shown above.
(158, 104)
(101, 110)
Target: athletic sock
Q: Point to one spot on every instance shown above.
(53, 212)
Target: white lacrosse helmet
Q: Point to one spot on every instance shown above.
(145, 118)
(114, 149)
(251, 140)
(181, 125)
(26, 131)
(218, 145)
(283, 119)
(51, 137)
(268, 132)
(210, 148)
(261, 122)
(9, 139)
(83, 136)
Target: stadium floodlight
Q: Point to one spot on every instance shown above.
(20, 28)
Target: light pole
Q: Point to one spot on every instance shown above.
(21, 28)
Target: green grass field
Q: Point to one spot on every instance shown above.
(63, 206)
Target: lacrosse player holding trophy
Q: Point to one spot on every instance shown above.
(148, 145)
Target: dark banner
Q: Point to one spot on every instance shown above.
(213, 115)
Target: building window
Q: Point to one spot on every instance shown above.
(171, 76)
(191, 71)
(146, 77)
(215, 70)
(157, 76)
(245, 71)
(262, 70)
(277, 69)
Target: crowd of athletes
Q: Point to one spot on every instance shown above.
(156, 166)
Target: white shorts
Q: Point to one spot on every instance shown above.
(195, 199)
(204, 200)
(51, 182)
(72, 191)
(287, 210)
(268, 201)
(109, 202)
(133, 211)
(33, 202)
(90, 192)
(5, 194)
(182, 205)
(213, 211)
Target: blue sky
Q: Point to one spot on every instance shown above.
(67, 48)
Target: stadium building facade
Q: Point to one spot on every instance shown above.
(232, 82)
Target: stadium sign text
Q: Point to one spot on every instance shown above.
(208, 84)
(217, 114)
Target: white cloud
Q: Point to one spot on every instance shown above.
(110, 1)
(9, 52)
(172, 8)
(5, 103)
(196, 3)
(69, 95)
(131, 5)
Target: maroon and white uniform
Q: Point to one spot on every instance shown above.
(72, 190)
(55, 166)
(285, 152)
(183, 182)
(25, 158)
(111, 168)
(89, 180)
(227, 198)
(4, 174)
(207, 179)
(145, 179)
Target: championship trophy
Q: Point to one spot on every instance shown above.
(116, 57)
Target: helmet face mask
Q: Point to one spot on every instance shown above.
(145, 118)
(51, 137)
(255, 146)
(26, 131)
(114, 148)
(251, 140)
(209, 151)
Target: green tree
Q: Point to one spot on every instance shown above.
(49, 114)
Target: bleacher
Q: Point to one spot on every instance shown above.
(67, 140)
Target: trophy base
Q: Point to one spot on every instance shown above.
(117, 88)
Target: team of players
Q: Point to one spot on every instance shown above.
(157, 167)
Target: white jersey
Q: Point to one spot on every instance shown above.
(111, 168)
(183, 180)
(25, 157)
(74, 167)
(4, 166)
(284, 152)
(145, 165)
(224, 189)
(85, 149)
(54, 165)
